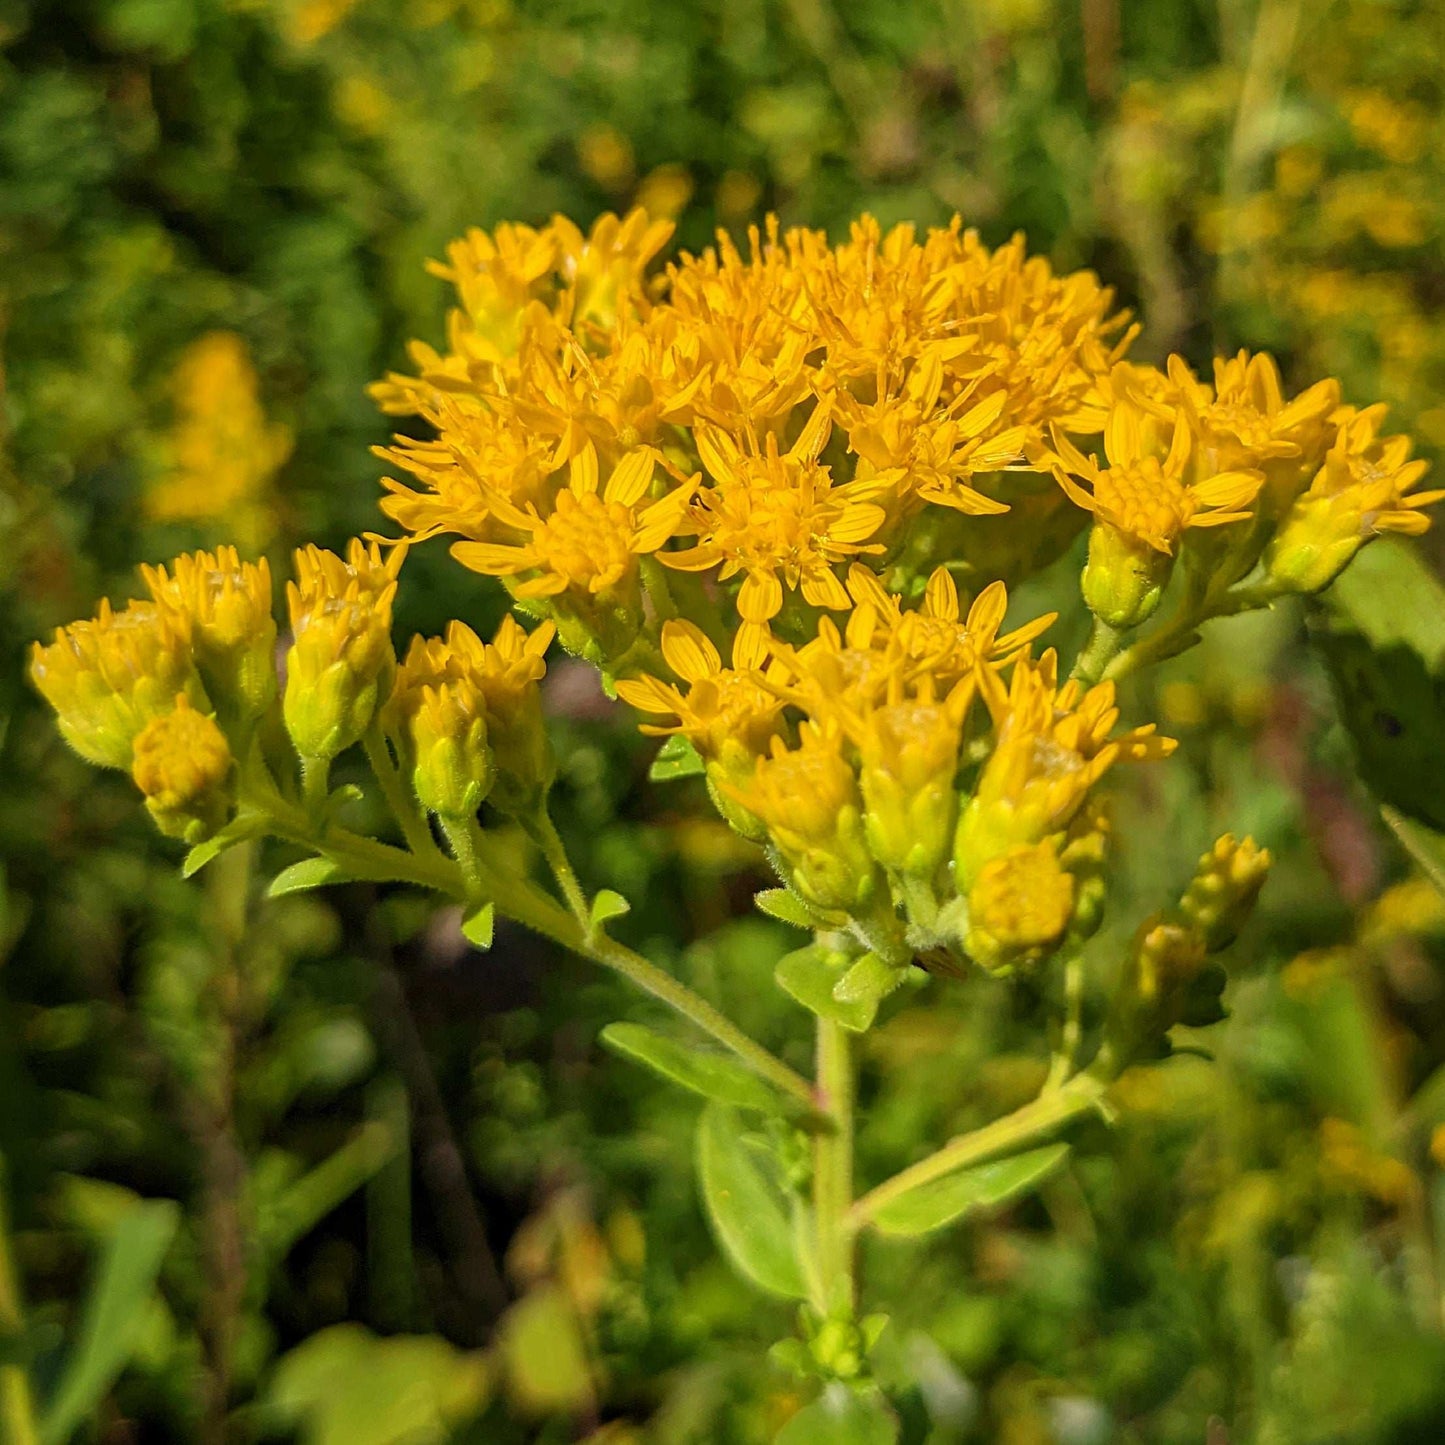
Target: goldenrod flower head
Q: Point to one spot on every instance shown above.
(1224, 889)
(774, 512)
(504, 673)
(604, 269)
(1168, 957)
(227, 606)
(108, 677)
(1142, 504)
(1053, 745)
(588, 545)
(725, 713)
(182, 763)
(807, 798)
(340, 664)
(1362, 490)
(1019, 907)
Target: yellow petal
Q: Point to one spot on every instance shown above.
(688, 651)
(760, 597)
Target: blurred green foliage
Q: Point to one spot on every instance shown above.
(418, 1201)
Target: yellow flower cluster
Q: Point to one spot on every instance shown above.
(181, 690)
(726, 438)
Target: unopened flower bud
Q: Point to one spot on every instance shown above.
(909, 754)
(808, 799)
(341, 663)
(1019, 908)
(1124, 577)
(227, 605)
(108, 677)
(182, 763)
(454, 769)
(1224, 890)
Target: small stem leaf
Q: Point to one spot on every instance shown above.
(249, 825)
(112, 1317)
(676, 758)
(809, 976)
(842, 1416)
(749, 1210)
(707, 1072)
(786, 907)
(869, 981)
(479, 926)
(608, 905)
(986, 1186)
(309, 873)
(1424, 845)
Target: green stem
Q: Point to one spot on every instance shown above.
(1099, 651)
(544, 830)
(403, 806)
(833, 1172)
(17, 1406)
(1062, 1065)
(1025, 1128)
(486, 875)
(315, 785)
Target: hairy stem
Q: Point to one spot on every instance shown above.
(399, 800)
(544, 830)
(1099, 651)
(833, 1171)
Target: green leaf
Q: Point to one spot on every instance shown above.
(112, 1317)
(869, 982)
(608, 905)
(479, 926)
(300, 1204)
(749, 1210)
(944, 1201)
(545, 1355)
(238, 830)
(676, 758)
(302, 877)
(785, 905)
(1424, 845)
(809, 976)
(1381, 629)
(705, 1071)
(351, 1388)
(841, 1416)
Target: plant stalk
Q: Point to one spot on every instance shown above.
(833, 1172)
(17, 1405)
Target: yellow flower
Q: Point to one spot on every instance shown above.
(604, 270)
(1362, 490)
(928, 450)
(807, 797)
(725, 709)
(340, 664)
(1142, 505)
(774, 512)
(1053, 745)
(590, 541)
(107, 678)
(224, 454)
(1019, 907)
(182, 763)
(227, 606)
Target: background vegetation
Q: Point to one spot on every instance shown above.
(313, 1169)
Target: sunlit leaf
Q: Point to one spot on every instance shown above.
(705, 1071)
(809, 976)
(750, 1212)
(301, 877)
(479, 926)
(986, 1186)
(841, 1416)
(676, 758)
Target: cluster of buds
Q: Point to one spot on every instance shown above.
(465, 720)
(1172, 976)
(181, 690)
(910, 797)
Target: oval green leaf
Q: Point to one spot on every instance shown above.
(809, 975)
(714, 1075)
(749, 1211)
(840, 1416)
(479, 926)
(301, 877)
(676, 758)
(986, 1186)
